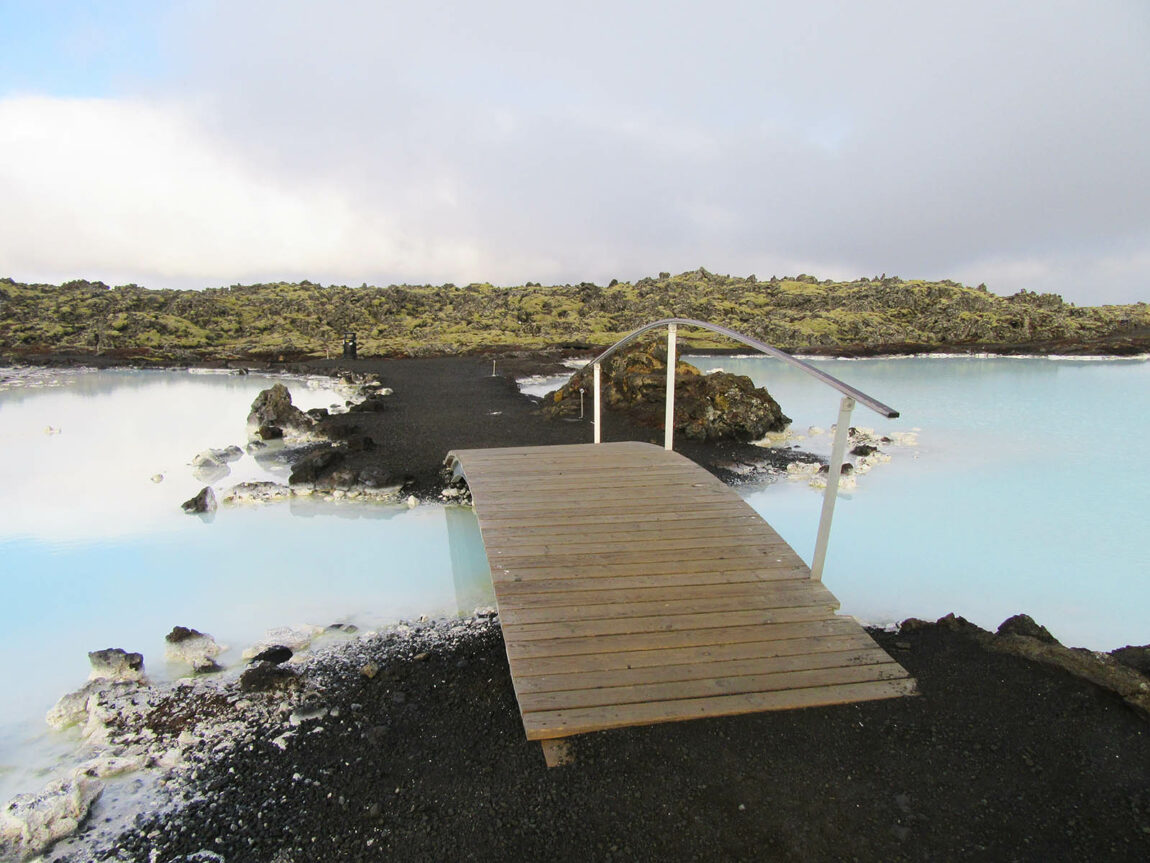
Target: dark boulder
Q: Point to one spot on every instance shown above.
(313, 465)
(268, 677)
(377, 477)
(267, 431)
(864, 449)
(273, 407)
(180, 634)
(1023, 624)
(275, 654)
(204, 502)
(716, 406)
(337, 478)
(372, 404)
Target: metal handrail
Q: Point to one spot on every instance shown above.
(844, 388)
(838, 448)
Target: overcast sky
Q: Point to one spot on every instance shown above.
(203, 144)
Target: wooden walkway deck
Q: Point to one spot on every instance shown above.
(634, 587)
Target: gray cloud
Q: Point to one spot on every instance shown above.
(991, 142)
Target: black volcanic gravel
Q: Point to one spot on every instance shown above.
(444, 403)
(997, 759)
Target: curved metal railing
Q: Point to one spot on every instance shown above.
(830, 380)
(838, 449)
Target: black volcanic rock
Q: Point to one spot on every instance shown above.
(712, 407)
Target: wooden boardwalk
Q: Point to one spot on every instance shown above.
(635, 587)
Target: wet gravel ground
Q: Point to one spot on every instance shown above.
(997, 759)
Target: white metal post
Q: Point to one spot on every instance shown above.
(669, 420)
(598, 405)
(838, 454)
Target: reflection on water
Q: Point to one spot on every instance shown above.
(95, 554)
(82, 457)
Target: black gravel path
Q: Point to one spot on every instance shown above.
(998, 759)
(444, 403)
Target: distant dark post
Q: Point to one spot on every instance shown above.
(349, 346)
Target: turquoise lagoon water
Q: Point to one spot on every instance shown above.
(94, 553)
(1026, 491)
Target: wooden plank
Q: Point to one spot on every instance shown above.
(564, 723)
(710, 556)
(584, 598)
(670, 482)
(634, 510)
(515, 615)
(512, 585)
(608, 529)
(636, 449)
(639, 544)
(667, 624)
(530, 500)
(526, 649)
(635, 587)
(616, 470)
(544, 570)
(496, 522)
(557, 752)
(847, 639)
(665, 673)
(678, 690)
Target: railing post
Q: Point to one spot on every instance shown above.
(669, 422)
(598, 404)
(838, 454)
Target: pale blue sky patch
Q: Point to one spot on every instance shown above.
(80, 48)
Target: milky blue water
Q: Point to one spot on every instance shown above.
(95, 554)
(1022, 490)
(1026, 492)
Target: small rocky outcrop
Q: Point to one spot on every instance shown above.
(1023, 624)
(113, 670)
(273, 408)
(204, 502)
(315, 464)
(192, 647)
(1136, 657)
(116, 664)
(1021, 636)
(716, 406)
(30, 823)
(257, 492)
